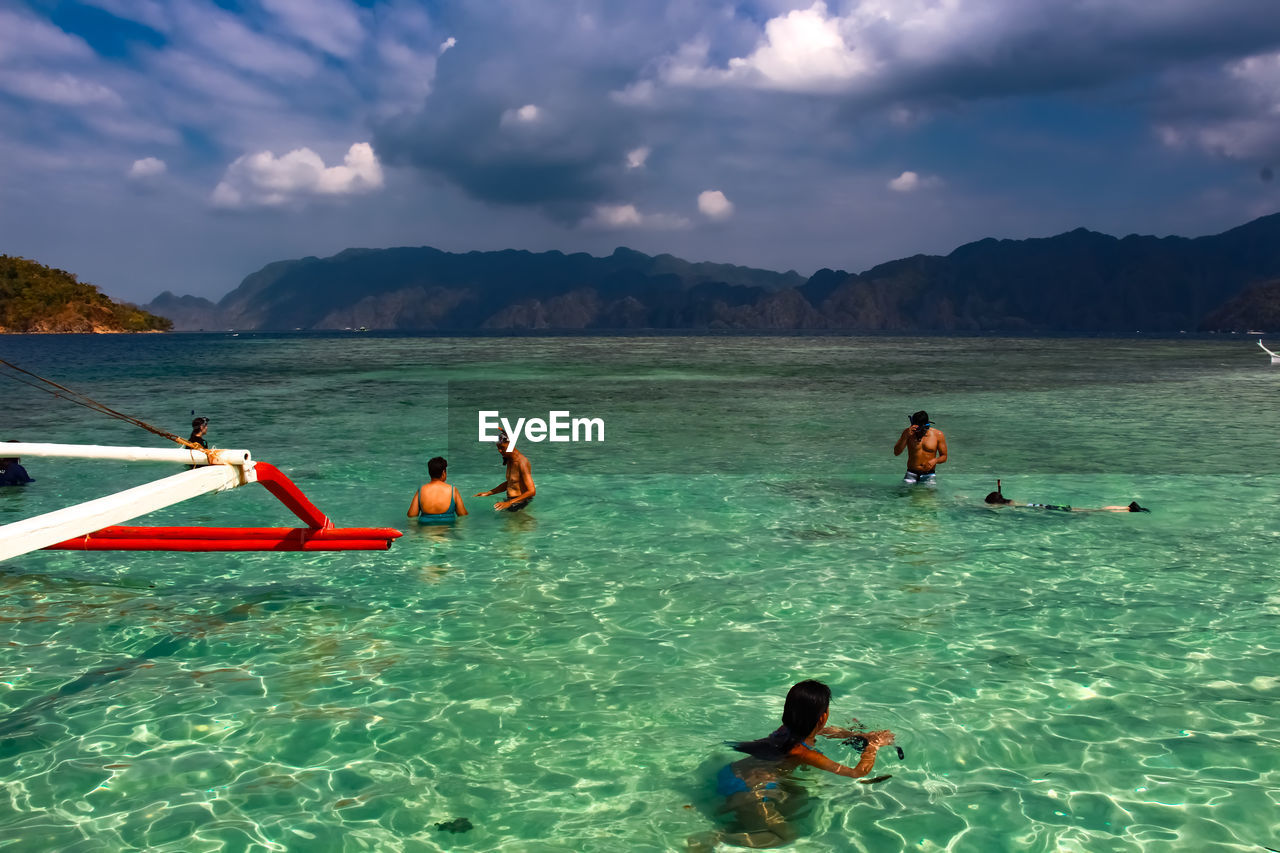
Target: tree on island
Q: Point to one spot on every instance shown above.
(35, 298)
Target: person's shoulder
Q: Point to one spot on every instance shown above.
(803, 750)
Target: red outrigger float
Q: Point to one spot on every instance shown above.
(94, 525)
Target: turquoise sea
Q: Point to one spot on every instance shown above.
(563, 679)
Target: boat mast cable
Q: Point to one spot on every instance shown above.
(90, 403)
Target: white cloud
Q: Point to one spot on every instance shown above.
(262, 179)
(616, 216)
(620, 216)
(910, 181)
(405, 69)
(224, 37)
(714, 205)
(147, 167)
(964, 48)
(330, 25)
(640, 93)
(803, 50)
(64, 88)
(1242, 120)
(21, 36)
(636, 157)
(528, 114)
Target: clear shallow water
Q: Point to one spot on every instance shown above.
(564, 678)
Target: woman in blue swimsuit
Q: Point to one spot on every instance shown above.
(437, 502)
(756, 788)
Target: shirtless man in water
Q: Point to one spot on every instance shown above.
(519, 483)
(926, 448)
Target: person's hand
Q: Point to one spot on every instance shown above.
(883, 737)
(501, 505)
(481, 494)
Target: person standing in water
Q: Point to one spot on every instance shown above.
(519, 483)
(437, 502)
(926, 448)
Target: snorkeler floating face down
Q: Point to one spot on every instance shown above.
(997, 498)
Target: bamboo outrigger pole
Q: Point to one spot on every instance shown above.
(92, 526)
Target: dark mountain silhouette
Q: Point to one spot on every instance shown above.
(187, 312)
(1258, 307)
(1081, 281)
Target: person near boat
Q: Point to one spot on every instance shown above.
(11, 471)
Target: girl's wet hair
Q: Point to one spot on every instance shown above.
(806, 703)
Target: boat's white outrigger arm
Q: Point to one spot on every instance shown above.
(51, 528)
(1275, 357)
(92, 526)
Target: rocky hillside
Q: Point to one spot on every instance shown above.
(41, 299)
(1080, 281)
(1258, 307)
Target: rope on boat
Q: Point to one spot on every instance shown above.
(90, 403)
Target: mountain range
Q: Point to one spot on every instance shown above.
(1080, 281)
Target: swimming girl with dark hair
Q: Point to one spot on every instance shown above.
(756, 788)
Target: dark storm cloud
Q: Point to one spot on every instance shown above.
(522, 111)
(556, 154)
(968, 49)
(773, 78)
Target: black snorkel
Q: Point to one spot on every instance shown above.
(997, 497)
(860, 743)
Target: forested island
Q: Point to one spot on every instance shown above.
(38, 299)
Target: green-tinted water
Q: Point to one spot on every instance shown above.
(563, 678)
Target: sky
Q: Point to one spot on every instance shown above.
(148, 145)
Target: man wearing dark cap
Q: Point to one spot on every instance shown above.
(926, 448)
